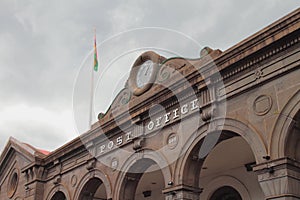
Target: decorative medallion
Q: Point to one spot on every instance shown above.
(74, 180)
(114, 163)
(262, 105)
(124, 97)
(172, 140)
(258, 74)
(164, 73)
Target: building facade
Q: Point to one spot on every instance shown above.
(223, 126)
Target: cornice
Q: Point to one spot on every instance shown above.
(263, 45)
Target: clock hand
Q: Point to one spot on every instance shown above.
(147, 70)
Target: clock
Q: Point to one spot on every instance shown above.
(143, 72)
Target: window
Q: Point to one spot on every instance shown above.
(12, 184)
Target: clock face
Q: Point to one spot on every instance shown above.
(144, 74)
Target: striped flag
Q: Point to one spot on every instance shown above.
(95, 54)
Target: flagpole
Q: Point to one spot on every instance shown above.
(92, 86)
(91, 99)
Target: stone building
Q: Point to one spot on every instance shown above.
(223, 126)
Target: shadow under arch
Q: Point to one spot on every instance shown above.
(58, 189)
(227, 180)
(230, 128)
(93, 174)
(149, 157)
(281, 129)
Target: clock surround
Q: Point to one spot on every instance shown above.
(143, 72)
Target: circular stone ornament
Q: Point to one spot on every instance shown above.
(13, 183)
(262, 105)
(172, 140)
(114, 163)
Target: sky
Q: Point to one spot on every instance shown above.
(46, 53)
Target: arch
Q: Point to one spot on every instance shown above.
(90, 175)
(285, 120)
(149, 154)
(59, 196)
(58, 188)
(226, 181)
(230, 125)
(292, 144)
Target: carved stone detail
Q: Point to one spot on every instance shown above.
(57, 180)
(258, 73)
(114, 163)
(260, 58)
(182, 192)
(91, 164)
(279, 179)
(13, 183)
(165, 72)
(74, 180)
(138, 143)
(124, 97)
(262, 104)
(172, 140)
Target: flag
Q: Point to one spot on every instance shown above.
(95, 55)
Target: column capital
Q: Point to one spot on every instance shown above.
(182, 192)
(280, 178)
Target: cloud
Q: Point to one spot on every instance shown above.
(36, 124)
(43, 46)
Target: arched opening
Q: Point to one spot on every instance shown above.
(59, 196)
(232, 158)
(284, 130)
(293, 140)
(226, 193)
(94, 189)
(143, 180)
(229, 163)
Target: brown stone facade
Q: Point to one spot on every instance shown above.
(222, 126)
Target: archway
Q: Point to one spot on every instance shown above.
(225, 193)
(284, 124)
(93, 190)
(189, 168)
(190, 162)
(228, 171)
(58, 192)
(59, 196)
(94, 184)
(143, 180)
(292, 145)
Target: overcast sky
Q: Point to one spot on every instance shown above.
(46, 46)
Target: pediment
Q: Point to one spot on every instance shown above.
(151, 73)
(15, 149)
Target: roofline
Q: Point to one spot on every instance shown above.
(268, 35)
(28, 151)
